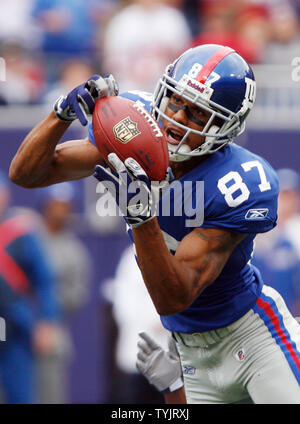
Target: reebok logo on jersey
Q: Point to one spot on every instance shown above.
(188, 369)
(256, 214)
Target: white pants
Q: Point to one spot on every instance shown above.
(255, 359)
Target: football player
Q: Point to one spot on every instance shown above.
(237, 341)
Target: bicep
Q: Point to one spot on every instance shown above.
(73, 160)
(205, 251)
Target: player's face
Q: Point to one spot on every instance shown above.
(185, 113)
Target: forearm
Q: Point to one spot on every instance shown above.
(36, 154)
(169, 282)
(177, 397)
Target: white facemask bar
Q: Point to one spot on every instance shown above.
(214, 140)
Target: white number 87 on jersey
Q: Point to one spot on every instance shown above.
(239, 185)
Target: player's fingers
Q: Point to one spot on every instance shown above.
(80, 113)
(137, 171)
(134, 167)
(97, 86)
(116, 162)
(141, 366)
(87, 102)
(103, 174)
(142, 357)
(124, 176)
(149, 340)
(144, 347)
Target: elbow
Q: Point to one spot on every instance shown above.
(14, 175)
(179, 302)
(170, 309)
(18, 178)
(173, 306)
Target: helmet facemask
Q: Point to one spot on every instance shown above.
(222, 126)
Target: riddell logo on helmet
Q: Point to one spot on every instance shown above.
(197, 86)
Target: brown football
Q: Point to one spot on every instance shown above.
(127, 129)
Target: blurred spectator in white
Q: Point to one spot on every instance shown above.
(133, 312)
(141, 40)
(72, 73)
(277, 254)
(72, 264)
(16, 23)
(25, 76)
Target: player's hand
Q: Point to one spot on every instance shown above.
(81, 101)
(161, 368)
(131, 188)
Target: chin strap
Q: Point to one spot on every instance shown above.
(205, 147)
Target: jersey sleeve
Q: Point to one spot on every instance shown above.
(91, 134)
(244, 200)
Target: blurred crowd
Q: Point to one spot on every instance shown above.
(45, 272)
(50, 46)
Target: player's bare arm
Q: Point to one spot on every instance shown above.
(177, 397)
(41, 161)
(174, 282)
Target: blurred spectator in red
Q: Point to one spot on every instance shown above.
(141, 40)
(248, 26)
(238, 24)
(25, 76)
(28, 301)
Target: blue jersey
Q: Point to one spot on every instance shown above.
(25, 272)
(232, 189)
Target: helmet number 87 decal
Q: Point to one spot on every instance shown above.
(239, 186)
(196, 68)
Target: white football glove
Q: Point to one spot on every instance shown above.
(161, 368)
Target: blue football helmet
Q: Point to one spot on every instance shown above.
(214, 78)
